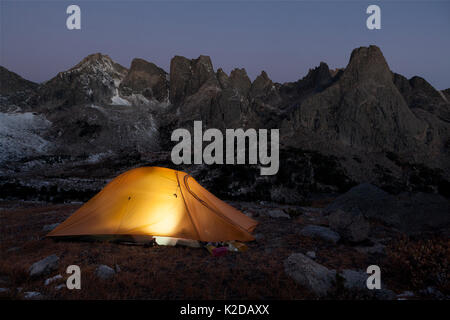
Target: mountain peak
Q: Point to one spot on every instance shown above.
(11, 83)
(147, 79)
(188, 75)
(93, 58)
(368, 63)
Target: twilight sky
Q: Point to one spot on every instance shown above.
(284, 38)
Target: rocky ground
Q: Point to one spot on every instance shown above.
(299, 253)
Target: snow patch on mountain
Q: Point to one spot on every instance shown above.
(20, 135)
(116, 100)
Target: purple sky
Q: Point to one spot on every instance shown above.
(284, 38)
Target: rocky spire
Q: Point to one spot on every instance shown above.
(187, 76)
(240, 81)
(147, 79)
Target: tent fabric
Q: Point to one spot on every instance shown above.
(156, 201)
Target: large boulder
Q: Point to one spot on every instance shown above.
(309, 273)
(44, 266)
(365, 198)
(320, 232)
(352, 226)
(357, 280)
(411, 213)
(354, 279)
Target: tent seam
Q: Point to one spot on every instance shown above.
(215, 211)
(187, 209)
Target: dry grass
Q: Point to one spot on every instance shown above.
(146, 272)
(420, 263)
(192, 273)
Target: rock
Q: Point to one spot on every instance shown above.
(411, 213)
(50, 280)
(352, 226)
(357, 280)
(309, 274)
(277, 213)
(11, 83)
(419, 212)
(33, 295)
(4, 290)
(311, 254)
(223, 78)
(187, 76)
(13, 249)
(44, 266)
(104, 272)
(320, 232)
(240, 81)
(259, 237)
(147, 79)
(117, 268)
(49, 227)
(60, 286)
(354, 279)
(405, 295)
(365, 198)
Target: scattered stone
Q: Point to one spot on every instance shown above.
(320, 232)
(309, 273)
(311, 254)
(435, 293)
(117, 268)
(33, 295)
(259, 237)
(44, 266)
(49, 227)
(104, 272)
(60, 286)
(277, 213)
(248, 213)
(352, 226)
(52, 279)
(405, 295)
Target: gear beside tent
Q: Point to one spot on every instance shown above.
(166, 204)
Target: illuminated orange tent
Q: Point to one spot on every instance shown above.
(160, 202)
